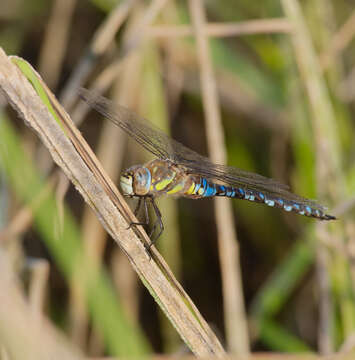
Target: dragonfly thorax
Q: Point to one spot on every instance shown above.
(136, 181)
(155, 178)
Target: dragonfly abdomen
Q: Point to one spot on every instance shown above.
(204, 188)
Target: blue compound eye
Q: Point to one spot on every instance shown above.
(142, 176)
(142, 180)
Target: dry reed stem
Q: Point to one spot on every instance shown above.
(102, 40)
(344, 207)
(327, 159)
(249, 27)
(136, 35)
(125, 89)
(132, 40)
(23, 334)
(38, 285)
(159, 98)
(326, 303)
(234, 97)
(23, 218)
(320, 105)
(126, 283)
(78, 317)
(103, 37)
(55, 41)
(237, 99)
(81, 166)
(348, 345)
(346, 88)
(341, 39)
(350, 248)
(18, 224)
(109, 152)
(105, 34)
(234, 312)
(102, 83)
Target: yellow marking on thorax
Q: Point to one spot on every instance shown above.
(176, 189)
(162, 184)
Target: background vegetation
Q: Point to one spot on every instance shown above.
(281, 82)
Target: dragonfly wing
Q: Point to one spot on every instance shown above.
(143, 131)
(162, 146)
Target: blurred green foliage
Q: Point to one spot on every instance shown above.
(278, 251)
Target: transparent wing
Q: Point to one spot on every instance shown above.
(165, 148)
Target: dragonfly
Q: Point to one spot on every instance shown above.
(181, 172)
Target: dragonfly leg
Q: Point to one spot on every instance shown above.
(139, 203)
(136, 210)
(159, 222)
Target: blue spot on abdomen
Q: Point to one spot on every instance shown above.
(210, 191)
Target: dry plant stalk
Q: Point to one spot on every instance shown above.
(26, 334)
(328, 163)
(234, 310)
(109, 151)
(260, 26)
(71, 153)
(101, 41)
(56, 39)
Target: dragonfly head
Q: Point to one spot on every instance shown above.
(136, 181)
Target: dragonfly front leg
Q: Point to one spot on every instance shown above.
(136, 211)
(159, 222)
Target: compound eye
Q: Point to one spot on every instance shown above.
(142, 180)
(141, 177)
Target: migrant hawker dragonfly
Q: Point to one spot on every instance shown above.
(179, 171)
